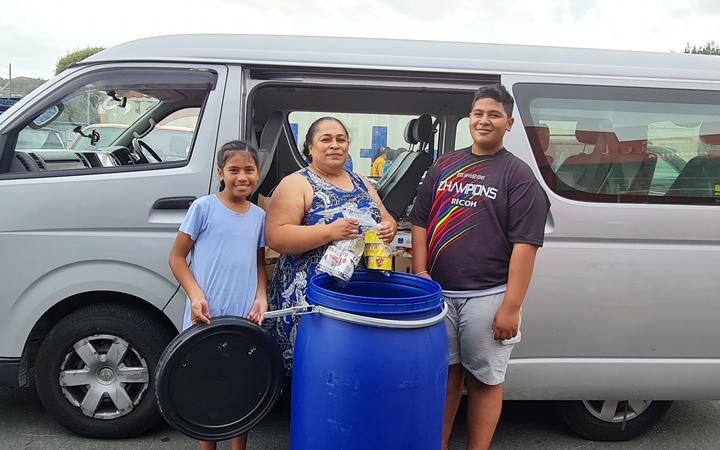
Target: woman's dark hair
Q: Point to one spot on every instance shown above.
(313, 130)
(498, 93)
(229, 148)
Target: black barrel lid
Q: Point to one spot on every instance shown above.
(215, 382)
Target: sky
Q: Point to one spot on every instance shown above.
(35, 34)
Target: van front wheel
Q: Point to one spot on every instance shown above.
(95, 371)
(612, 420)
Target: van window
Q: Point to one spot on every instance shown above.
(462, 134)
(135, 118)
(620, 144)
(368, 132)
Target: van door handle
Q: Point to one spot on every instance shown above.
(173, 203)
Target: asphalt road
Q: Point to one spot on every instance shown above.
(24, 424)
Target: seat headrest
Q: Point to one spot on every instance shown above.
(710, 133)
(632, 134)
(539, 136)
(588, 131)
(423, 129)
(409, 132)
(632, 139)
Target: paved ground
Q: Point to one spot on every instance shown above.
(524, 425)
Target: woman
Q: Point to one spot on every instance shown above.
(306, 215)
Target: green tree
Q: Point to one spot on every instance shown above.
(75, 56)
(710, 48)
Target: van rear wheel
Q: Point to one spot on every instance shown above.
(95, 371)
(612, 420)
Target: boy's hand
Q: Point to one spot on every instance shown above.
(506, 322)
(259, 308)
(199, 311)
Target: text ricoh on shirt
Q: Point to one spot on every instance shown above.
(474, 208)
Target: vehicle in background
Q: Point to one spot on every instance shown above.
(7, 102)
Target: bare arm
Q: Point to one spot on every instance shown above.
(199, 310)
(419, 251)
(388, 225)
(507, 317)
(284, 231)
(260, 305)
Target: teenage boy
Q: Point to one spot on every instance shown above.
(478, 221)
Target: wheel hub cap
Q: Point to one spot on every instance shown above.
(104, 376)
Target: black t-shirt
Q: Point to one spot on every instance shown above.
(474, 208)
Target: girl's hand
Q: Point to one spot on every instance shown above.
(344, 229)
(199, 311)
(387, 230)
(259, 308)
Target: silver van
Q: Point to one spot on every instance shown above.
(621, 315)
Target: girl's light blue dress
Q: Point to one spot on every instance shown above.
(224, 255)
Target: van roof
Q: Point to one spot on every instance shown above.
(389, 54)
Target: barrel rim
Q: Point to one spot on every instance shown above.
(431, 300)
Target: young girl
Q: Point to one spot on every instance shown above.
(225, 233)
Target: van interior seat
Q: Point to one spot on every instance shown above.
(632, 167)
(409, 133)
(539, 138)
(423, 131)
(702, 173)
(398, 186)
(267, 147)
(710, 134)
(588, 172)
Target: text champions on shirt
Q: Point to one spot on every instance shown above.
(466, 188)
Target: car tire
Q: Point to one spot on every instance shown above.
(95, 371)
(612, 420)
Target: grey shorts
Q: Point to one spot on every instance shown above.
(470, 339)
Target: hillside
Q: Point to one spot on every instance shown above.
(19, 86)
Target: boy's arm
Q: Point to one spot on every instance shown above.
(260, 305)
(199, 308)
(507, 317)
(419, 251)
(419, 219)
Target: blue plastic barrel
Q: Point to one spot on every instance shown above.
(370, 365)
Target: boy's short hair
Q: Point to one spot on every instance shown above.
(498, 93)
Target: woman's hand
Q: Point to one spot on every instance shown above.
(386, 230)
(344, 229)
(199, 311)
(259, 308)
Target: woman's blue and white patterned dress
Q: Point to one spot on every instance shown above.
(293, 272)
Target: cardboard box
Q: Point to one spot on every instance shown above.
(401, 245)
(403, 264)
(402, 239)
(270, 255)
(270, 269)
